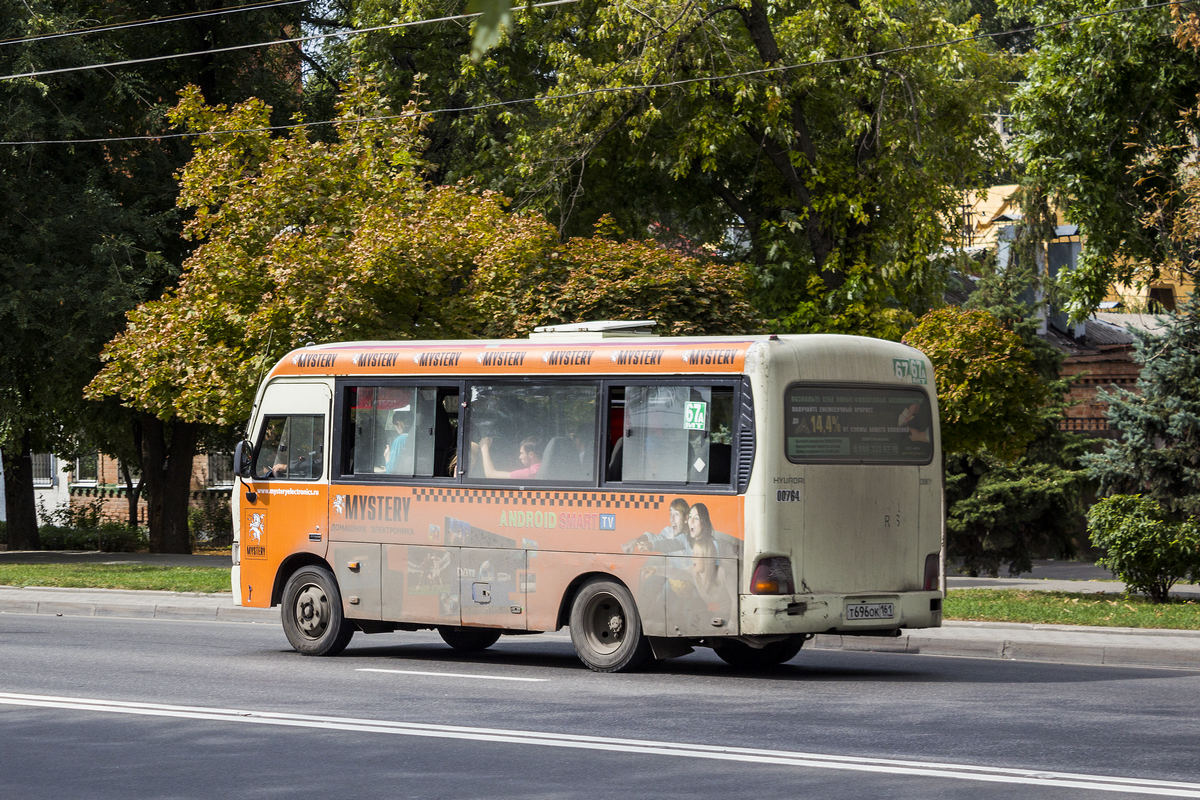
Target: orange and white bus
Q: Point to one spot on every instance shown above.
(652, 494)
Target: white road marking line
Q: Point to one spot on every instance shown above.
(968, 772)
(453, 675)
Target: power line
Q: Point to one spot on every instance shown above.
(234, 48)
(606, 89)
(119, 26)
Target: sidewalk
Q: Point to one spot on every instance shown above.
(1011, 641)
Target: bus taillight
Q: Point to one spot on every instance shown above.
(773, 576)
(931, 572)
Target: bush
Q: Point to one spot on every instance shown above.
(211, 523)
(1143, 548)
(107, 537)
(83, 526)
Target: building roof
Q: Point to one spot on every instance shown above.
(1105, 330)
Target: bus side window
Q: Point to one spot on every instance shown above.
(291, 447)
(532, 433)
(402, 431)
(670, 434)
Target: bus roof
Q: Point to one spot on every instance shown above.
(573, 353)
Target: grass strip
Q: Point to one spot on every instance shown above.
(117, 576)
(1069, 608)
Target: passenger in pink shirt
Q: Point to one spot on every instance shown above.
(530, 456)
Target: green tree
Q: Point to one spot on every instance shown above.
(1013, 487)
(70, 261)
(1146, 547)
(832, 171)
(989, 394)
(599, 277)
(305, 241)
(298, 241)
(92, 228)
(1097, 122)
(1157, 452)
(1005, 511)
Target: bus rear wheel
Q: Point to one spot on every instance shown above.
(740, 654)
(606, 629)
(312, 613)
(469, 640)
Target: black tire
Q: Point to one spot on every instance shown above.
(469, 640)
(740, 654)
(312, 613)
(606, 629)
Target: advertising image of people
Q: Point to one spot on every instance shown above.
(694, 579)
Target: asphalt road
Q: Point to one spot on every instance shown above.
(109, 707)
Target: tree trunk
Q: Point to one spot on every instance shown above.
(18, 497)
(167, 452)
(133, 492)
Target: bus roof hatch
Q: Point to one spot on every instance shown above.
(595, 329)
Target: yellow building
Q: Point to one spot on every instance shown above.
(986, 214)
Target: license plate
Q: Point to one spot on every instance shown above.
(870, 610)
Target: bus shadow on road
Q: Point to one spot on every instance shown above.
(815, 667)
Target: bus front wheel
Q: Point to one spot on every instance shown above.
(606, 629)
(312, 613)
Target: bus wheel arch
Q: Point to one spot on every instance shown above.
(606, 628)
(288, 567)
(311, 612)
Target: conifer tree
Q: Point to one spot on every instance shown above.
(1158, 452)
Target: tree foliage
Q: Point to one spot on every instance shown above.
(1098, 123)
(77, 247)
(299, 241)
(1144, 546)
(1001, 511)
(827, 144)
(1006, 513)
(600, 278)
(305, 241)
(91, 227)
(989, 393)
(1157, 453)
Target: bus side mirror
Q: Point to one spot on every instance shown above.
(242, 467)
(241, 459)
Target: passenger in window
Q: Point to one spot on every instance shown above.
(393, 449)
(529, 454)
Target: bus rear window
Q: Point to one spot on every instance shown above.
(857, 425)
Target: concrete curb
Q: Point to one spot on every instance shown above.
(1128, 647)
(1125, 647)
(119, 603)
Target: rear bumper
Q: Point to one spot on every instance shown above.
(821, 613)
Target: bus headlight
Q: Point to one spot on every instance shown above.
(773, 575)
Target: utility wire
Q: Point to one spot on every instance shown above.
(607, 89)
(120, 26)
(234, 48)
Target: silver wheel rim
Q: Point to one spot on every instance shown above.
(604, 624)
(312, 610)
